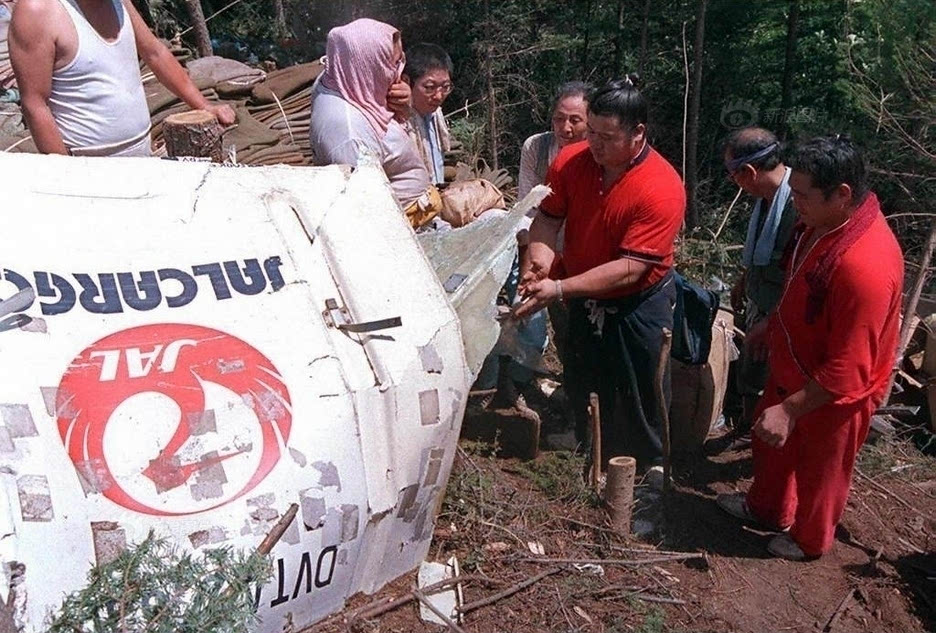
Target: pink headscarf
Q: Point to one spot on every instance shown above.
(360, 67)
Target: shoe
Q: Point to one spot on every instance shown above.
(653, 478)
(783, 546)
(736, 505)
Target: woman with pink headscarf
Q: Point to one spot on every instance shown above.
(351, 115)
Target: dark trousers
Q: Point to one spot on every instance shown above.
(614, 349)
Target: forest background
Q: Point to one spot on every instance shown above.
(865, 68)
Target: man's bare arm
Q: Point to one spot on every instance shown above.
(616, 275)
(541, 252)
(168, 70)
(32, 52)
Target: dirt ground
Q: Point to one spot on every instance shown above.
(879, 576)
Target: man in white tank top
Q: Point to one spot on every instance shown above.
(76, 63)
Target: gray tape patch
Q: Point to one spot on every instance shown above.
(231, 367)
(430, 359)
(48, 398)
(429, 407)
(313, 510)
(350, 516)
(35, 498)
(6, 441)
(109, 540)
(298, 457)
(329, 475)
(210, 480)
(18, 419)
(456, 398)
(406, 503)
(36, 325)
(210, 536)
(93, 475)
(433, 465)
(291, 535)
(202, 422)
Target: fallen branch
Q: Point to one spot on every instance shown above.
(271, 539)
(659, 599)
(614, 561)
(425, 601)
(506, 593)
(633, 550)
(379, 607)
(843, 605)
(895, 496)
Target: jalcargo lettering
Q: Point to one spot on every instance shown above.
(172, 419)
(110, 293)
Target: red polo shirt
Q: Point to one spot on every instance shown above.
(638, 217)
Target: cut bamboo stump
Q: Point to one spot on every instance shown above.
(196, 133)
(619, 492)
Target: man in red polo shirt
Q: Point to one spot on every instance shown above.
(831, 342)
(623, 205)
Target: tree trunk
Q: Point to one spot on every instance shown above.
(143, 7)
(196, 133)
(618, 69)
(492, 110)
(789, 64)
(586, 37)
(692, 133)
(202, 38)
(279, 13)
(644, 28)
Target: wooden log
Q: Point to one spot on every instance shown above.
(619, 493)
(594, 411)
(196, 133)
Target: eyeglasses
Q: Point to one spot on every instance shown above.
(432, 88)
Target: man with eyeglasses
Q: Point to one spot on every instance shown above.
(429, 73)
(623, 205)
(752, 159)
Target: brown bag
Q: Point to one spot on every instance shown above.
(465, 200)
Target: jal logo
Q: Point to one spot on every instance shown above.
(173, 419)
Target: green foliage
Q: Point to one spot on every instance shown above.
(154, 587)
(559, 475)
(851, 59)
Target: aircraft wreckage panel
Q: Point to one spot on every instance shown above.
(184, 358)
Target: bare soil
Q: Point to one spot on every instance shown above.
(882, 567)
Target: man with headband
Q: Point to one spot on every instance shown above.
(752, 158)
(832, 341)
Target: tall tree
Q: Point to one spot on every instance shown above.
(789, 63)
(202, 37)
(619, 39)
(644, 28)
(692, 125)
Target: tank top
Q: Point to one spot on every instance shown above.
(97, 99)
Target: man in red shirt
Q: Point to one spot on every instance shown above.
(832, 342)
(623, 205)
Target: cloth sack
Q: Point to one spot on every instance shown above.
(465, 200)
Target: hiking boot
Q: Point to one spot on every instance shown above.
(783, 546)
